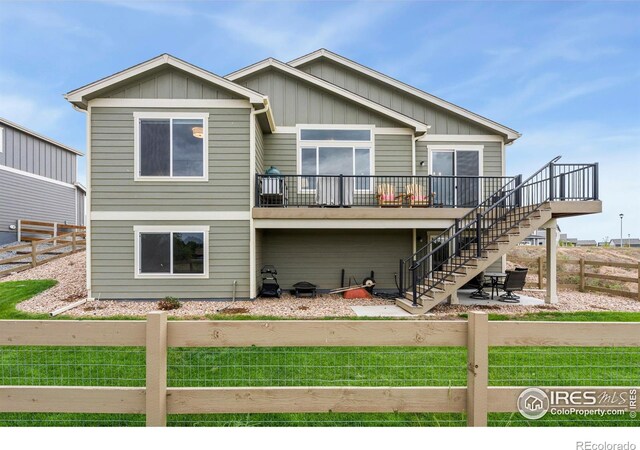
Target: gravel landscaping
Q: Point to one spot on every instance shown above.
(27, 256)
(70, 273)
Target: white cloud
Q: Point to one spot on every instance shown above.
(287, 30)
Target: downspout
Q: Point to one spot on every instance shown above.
(415, 139)
(87, 209)
(252, 200)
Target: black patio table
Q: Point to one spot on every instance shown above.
(495, 278)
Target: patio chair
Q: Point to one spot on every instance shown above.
(478, 283)
(416, 197)
(387, 196)
(514, 281)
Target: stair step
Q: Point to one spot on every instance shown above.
(407, 305)
(449, 276)
(437, 281)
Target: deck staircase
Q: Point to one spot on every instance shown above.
(437, 270)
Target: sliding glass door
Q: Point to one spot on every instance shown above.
(455, 181)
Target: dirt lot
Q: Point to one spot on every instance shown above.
(568, 269)
(70, 273)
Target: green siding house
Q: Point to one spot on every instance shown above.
(373, 175)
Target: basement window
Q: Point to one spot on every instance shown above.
(180, 253)
(171, 146)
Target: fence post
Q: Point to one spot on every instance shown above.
(638, 281)
(34, 254)
(477, 368)
(55, 233)
(540, 273)
(581, 289)
(156, 388)
(19, 230)
(73, 242)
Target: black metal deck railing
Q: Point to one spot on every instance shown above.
(281, 191)
(500, 212)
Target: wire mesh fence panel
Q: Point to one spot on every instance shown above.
(71, 420)
(317, 366)
(72, 366)
(318, 420)
(566, 366)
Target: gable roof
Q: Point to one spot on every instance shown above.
(39, 136)
(78, 97)
(324, 53)
(274, 63)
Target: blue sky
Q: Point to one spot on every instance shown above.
(566, 75)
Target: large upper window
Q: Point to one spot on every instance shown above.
(171, 251)
(171, 146)
(339, 151)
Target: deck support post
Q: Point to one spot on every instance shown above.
(477, 369)
(551, 295)
(156, 388)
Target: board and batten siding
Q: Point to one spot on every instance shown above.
(80, 206)
(28, 153)
(112, 263)
(318, 256)
(169, 83)
(25, 197)
(441, 120)
(294, 101)
(112, 165)
(392, 153)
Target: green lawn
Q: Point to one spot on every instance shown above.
(13, 292)
(306, 366)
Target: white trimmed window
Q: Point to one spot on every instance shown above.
(171, 251)
(336, 150)
(171, 146)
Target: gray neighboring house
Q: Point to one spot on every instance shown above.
(626, 242)
(538, 237)
(364, 170)
(38, 180)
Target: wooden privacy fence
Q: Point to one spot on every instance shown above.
(37, 252)
(578, 279)
(156, 400)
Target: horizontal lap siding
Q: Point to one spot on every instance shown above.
(280, 151)
(318, 256)
(294, 101)
(393, 155)
(29, 198)
(112, 263)
(112, 166)
(259, 149)
(25, 152)
(441, 120)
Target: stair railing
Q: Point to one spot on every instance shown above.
(470, 235)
